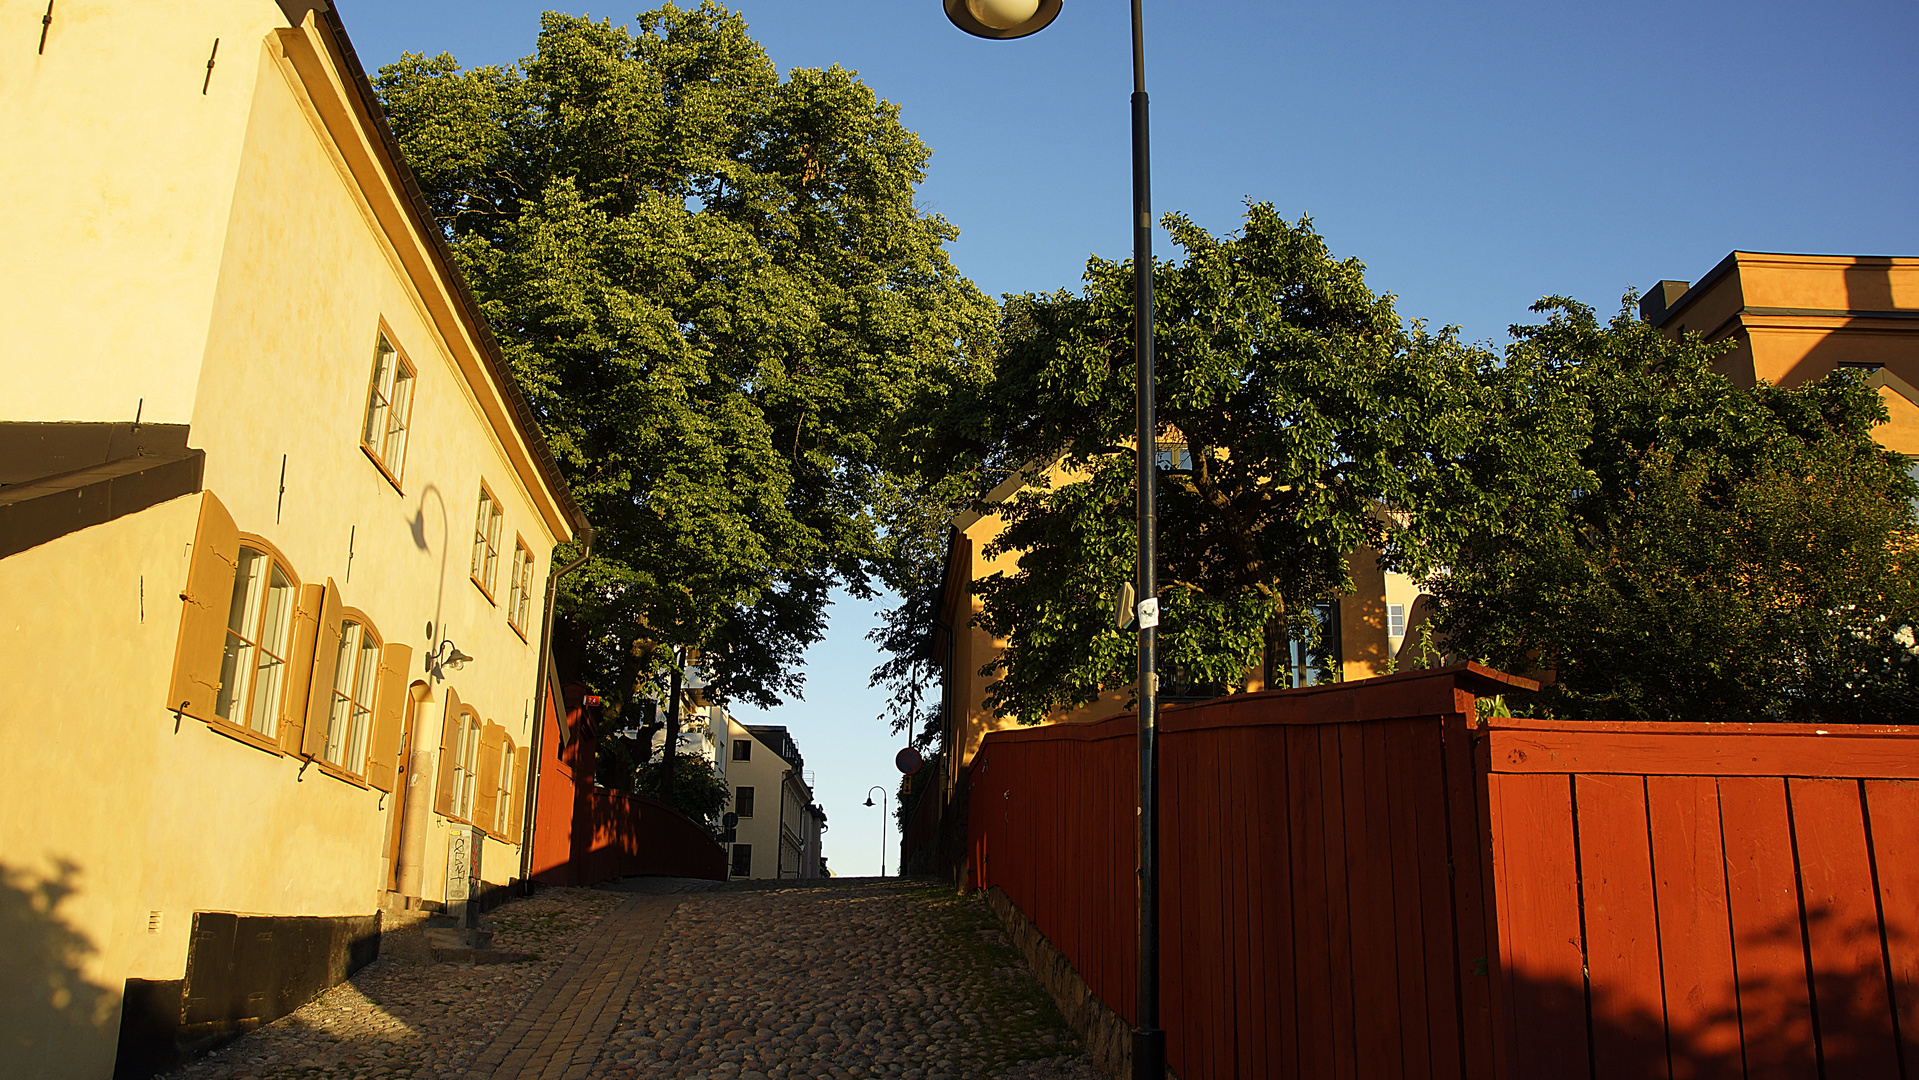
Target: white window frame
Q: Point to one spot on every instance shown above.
(349, 723)
(487, 522)
(265, 594)
(389, 408)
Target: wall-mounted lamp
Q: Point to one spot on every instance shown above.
(443, 655)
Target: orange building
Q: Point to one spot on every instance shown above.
(1796, 318)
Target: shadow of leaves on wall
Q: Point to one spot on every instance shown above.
(45, 999)
(1849, 1021)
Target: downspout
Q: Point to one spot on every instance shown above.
(539, 718)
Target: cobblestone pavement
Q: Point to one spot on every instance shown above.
(851, 979)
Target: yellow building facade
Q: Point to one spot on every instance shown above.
(1793, 319)
(276, 529)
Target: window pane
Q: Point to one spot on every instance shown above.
(236, 666)
(394, 451)
(264, 713)
(234, 669)
(368, 665)
(340, 719)
(479, 535)
(379, 397)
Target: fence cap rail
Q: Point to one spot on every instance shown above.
(1440, 692)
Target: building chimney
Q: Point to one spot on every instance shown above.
(1659, 300)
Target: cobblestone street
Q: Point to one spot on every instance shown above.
(855, 979)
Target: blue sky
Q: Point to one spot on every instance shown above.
(1475, 156)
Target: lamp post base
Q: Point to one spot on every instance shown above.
(1149, 1054)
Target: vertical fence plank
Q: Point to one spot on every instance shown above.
(1443, 969)
(1626, 998)
(1893, 806)
(1377, 1019)
(1398, 794)
(1209, 799)
(1277, 904)
(1242, 837)
(1532, 822)
(1850, 1004)
(1313, 967)
(1695, 931)
(1339, 912)
(1775, 1009)
(1476, 929)
(1182, 912)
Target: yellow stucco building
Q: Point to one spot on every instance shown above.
(276, 529)
(1793, 319)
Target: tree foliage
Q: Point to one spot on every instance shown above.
(1711, 553)
(1304, 418)
(726, 309)
(698, 791)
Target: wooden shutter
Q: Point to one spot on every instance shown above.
(516, 826)
(293, 705)
(449, 729)
(203, 614)
(389, 715)
(326, 654)
(486, 800)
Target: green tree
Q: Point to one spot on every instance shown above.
(1712, 553)
(1303, 419)
(698, 791)
(717, 291)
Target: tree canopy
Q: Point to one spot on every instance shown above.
(726, 309)
(1300, 419)
(1711, 553)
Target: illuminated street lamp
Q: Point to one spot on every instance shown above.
(1018, 18)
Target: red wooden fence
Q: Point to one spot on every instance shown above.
(1360, 881)
(584, 833)
(1708, 900)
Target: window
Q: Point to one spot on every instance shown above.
(743, 801)
(486, 542)
(352, 714)
(465, 746)
(389, 405)
(742, 860)
(1395, 620)
(1315, 659)
(503, 806)
(742, 750)
(519, 586)
(254, 667)
(1173, 457)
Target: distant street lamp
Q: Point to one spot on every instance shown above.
(869, 802)
(1018, 18)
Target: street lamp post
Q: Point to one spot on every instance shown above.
(869, 802)
(1019, 18)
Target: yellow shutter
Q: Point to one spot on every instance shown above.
(326, 653)
(203, 614)
(389, 714)
(516, 828)
(449, 727)
(486, 801)
(293, 705)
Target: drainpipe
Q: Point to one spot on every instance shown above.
(539, 718)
